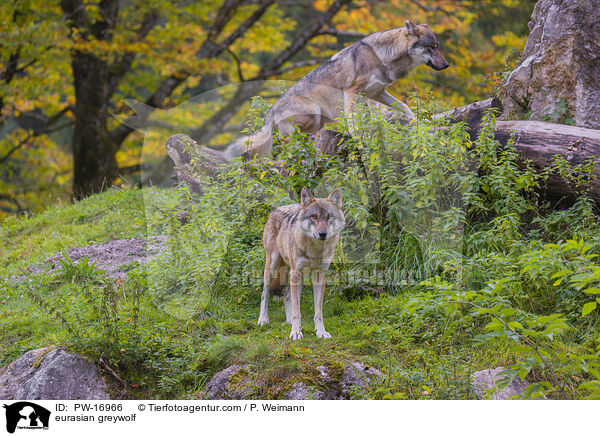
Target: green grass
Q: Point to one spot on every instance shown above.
(115, 214)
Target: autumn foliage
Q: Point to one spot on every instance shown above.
(68, 67)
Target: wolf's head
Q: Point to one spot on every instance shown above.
(321, 218)
(425, 47)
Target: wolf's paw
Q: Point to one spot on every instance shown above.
(323, 335)
(263, 321)
(295, 335)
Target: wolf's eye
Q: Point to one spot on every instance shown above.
(314, 217)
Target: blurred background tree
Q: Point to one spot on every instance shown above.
(68, 67)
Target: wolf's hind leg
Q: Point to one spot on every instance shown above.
(304, 115)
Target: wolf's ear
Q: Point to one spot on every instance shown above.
(306, 197)
(335, 197)
(411, 29)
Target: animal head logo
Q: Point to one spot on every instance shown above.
(26, 415)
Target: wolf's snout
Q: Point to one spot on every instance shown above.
(438, 66)
(322, 236)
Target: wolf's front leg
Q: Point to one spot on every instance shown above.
(287, 302)
(349, 97)
(263, 318)
(295, 290)
(318, 278)
(388, 99)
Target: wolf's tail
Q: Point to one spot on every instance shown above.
(258, 144)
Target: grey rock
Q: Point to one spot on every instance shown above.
(219, 387)
(357, 377)
(486, 379)
(561, 61)
(332, 385)
(52, 374)
(354, 379)
(300, 391)
(324, 371)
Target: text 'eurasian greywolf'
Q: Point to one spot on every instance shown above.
(297, 237)
(366, 67)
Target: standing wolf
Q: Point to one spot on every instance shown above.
(299, 236)
(368, 66)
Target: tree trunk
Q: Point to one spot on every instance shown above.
(94, 160)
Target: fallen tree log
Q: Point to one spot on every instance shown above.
(541, 142)
(472, 114)
(537, 141)
(189, 158)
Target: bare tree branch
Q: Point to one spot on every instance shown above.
(309, 33)
(38, 122)
(30, 137)
(8, 73)
(26, 65)
(249, 22)
(237, 64)
(429, 8)
(299, 64)
(10, 68)
(54, 118)
(122, 68)
(336, 32)
(224, 15)
(208, 49)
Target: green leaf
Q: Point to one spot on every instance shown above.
(588, 307)
(515, 325)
